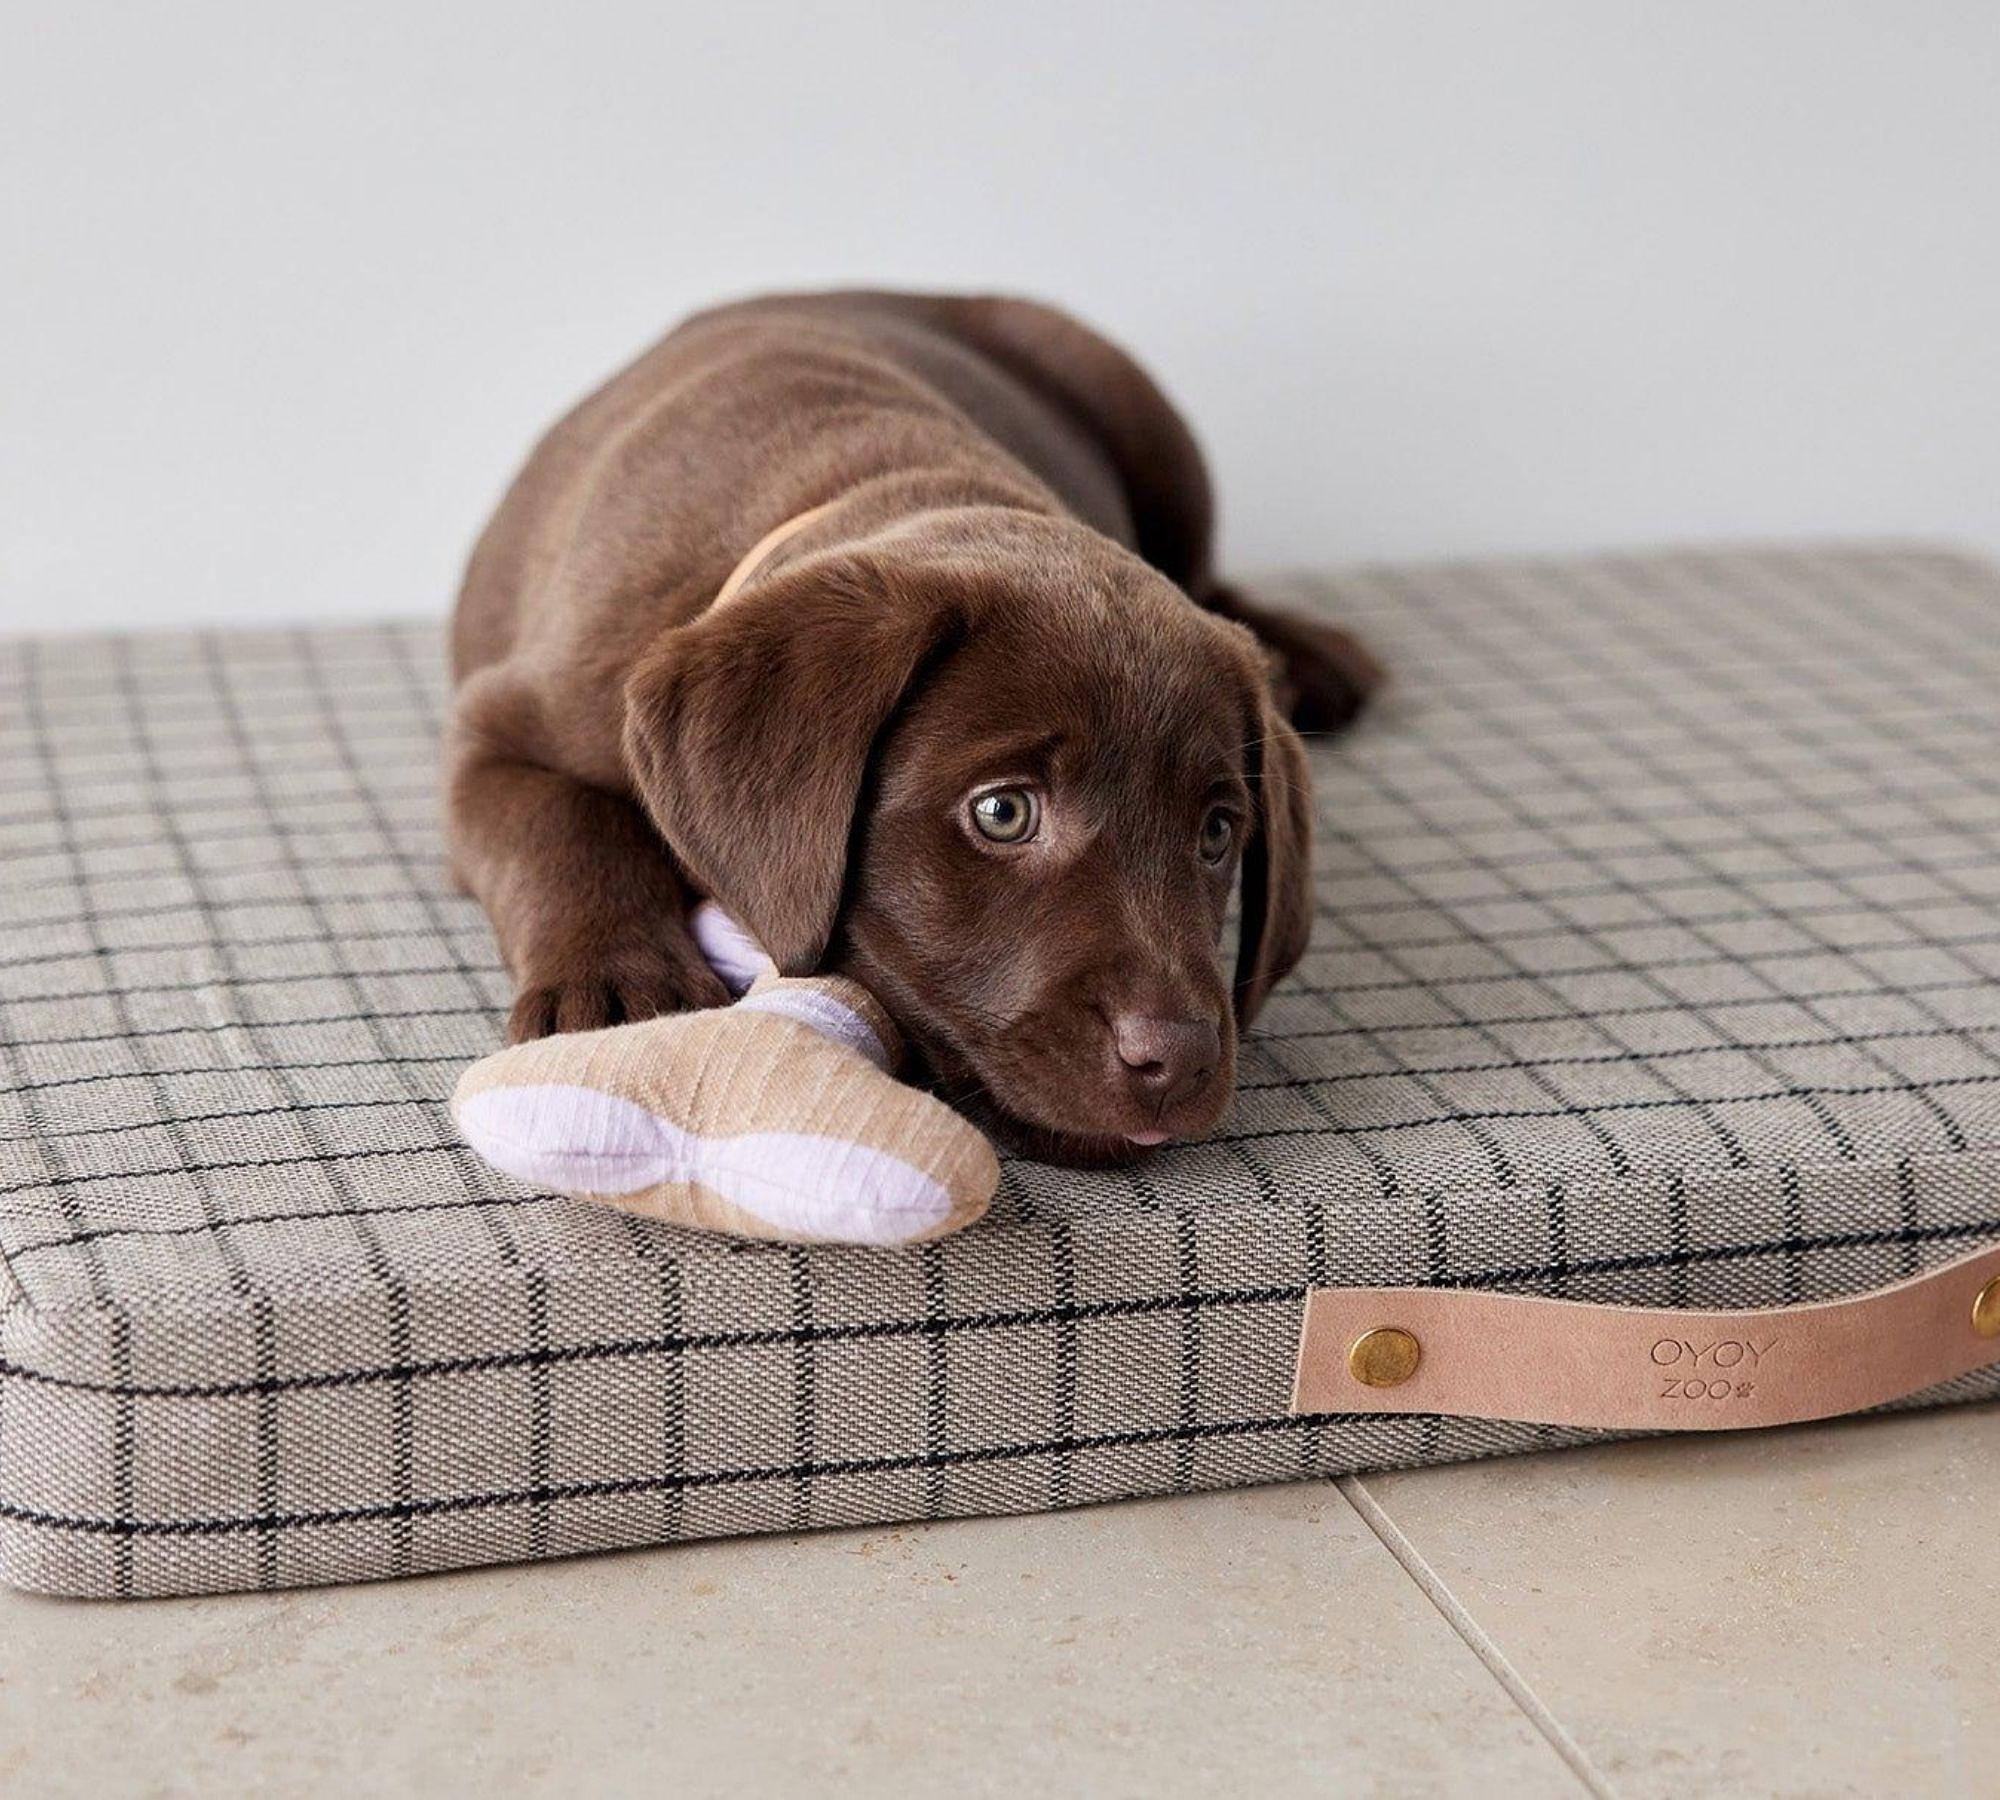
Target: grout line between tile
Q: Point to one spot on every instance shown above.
(1476, 1639)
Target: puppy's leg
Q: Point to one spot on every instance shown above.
(590, 912)
(1323, 675)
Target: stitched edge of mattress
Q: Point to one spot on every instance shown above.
(17, 1362)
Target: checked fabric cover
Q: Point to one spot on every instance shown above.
(1657, 961)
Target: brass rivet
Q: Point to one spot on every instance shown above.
(1388, 1355)
(1986, 1310)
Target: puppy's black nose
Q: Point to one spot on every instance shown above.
(1167, 1059)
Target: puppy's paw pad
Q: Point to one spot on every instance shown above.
(619, 990)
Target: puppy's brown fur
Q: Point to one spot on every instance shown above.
(1010, 587)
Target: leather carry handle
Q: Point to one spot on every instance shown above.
(1625, 1368)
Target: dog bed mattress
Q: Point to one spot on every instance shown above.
(1657, 961)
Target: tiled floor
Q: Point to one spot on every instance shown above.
(1801, 1612)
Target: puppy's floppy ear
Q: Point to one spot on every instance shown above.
(1277, 863)
(749, 730)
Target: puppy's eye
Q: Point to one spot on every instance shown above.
(1218, 832)
(1007, 815)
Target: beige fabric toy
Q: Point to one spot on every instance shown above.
(779, 1117)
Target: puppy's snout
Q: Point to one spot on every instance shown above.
(1166, 1060)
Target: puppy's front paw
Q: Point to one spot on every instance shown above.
(614, 987)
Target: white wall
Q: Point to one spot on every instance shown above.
(285, 288)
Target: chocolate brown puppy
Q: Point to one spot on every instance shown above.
(974, 723)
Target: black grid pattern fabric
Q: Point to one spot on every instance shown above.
(1657, 960)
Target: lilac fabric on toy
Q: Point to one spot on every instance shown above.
(731, 951)
(582, 1140)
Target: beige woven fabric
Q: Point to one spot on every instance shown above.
(1656, 961)
(702, 1119)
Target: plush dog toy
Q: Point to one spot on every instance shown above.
(779, 1117)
